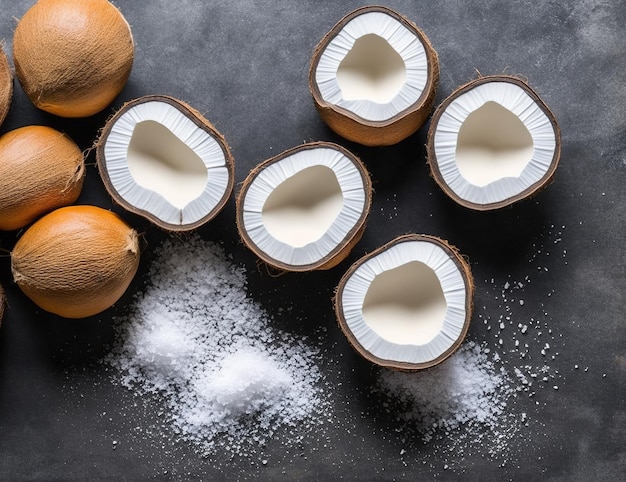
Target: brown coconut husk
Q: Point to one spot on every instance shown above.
(73, 57)
(41, 169)
(466, 273)
(6, 84)
(377, 133)
(76, 261)
(199, 120)
(530, 191)
(3, 302)
(343, 249)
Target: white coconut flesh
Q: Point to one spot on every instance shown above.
(493, 142)
(374, 67)
(372, 70)
(299, 209)
(160, 161)
(406, 304)
(302, 208)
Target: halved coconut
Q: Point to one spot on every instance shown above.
(306, 208)
(6, 84)
(162, 159)
(374, 77)
(408, 304)
(493, 142)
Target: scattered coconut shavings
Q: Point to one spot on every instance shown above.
(229, 380)
(523, 327)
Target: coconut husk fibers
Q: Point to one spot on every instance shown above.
(377, 133)
(202, 123)
(6, 84)
(343, 249)
(73, 57)
(466, 273)
(41, 169)
(531, 190)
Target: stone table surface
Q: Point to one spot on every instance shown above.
(244, 65)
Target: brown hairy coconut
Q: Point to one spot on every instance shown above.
(3, 302)
(6, 84)
(73, 57)
(408, 304)
(76, 261)
(161, 159)
(374, 77)
(306, 208)
(493, 142)
(41, 169)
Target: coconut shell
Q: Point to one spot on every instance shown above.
(202, 123)
(377, 133)
(531, 190)
(76, 261)
(41, 169)
(466, 273)
(6, 85)
(343, 249)
(73, 57)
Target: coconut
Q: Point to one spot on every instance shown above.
(3, 301)
(305, 208)
(41, 169)
(408, 304)
(161, 159)
(493, 142)
(6, 84)
(374, 77)
(76, 261)
(73, 57)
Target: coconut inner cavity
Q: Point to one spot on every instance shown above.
(405, 305)
(372, 70)
(158, 160)
(493, 143)
(300, 210)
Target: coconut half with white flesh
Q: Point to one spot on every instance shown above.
(374, 77)
(493, 142)
(161, 159)
(408, 304)
(305, 208)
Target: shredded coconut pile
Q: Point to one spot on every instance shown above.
(466, 390)
(197, 339)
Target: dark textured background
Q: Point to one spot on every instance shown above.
(245, 65)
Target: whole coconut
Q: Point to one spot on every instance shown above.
(76, 261)
(6, 85)
(41, 169)
(2, 303)
(73, 57)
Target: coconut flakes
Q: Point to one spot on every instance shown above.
(195, 338)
